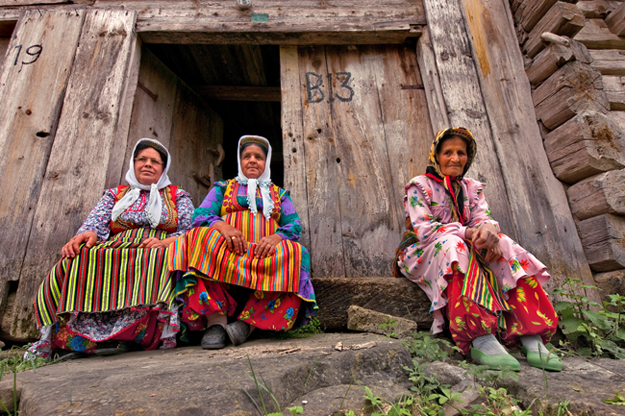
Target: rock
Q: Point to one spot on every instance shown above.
(611, 283)
(394, 296)
(6, 391)
(1, 345)
(190, 381)
(366, 320)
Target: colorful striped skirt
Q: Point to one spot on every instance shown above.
(110, 276)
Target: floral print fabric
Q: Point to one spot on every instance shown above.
(440, 243)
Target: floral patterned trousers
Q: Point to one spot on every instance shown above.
(532, 313)
(275, 311)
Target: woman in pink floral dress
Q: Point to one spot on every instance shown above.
(482, 281)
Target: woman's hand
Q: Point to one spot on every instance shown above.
(485, 237)
(72, 248)
(153, 242)
(233, 237)
(266, 244)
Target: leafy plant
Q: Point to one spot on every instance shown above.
(311, 328)
(618, 399)
(14, 363)
(590, 328)
(390, 324)
(431, 349)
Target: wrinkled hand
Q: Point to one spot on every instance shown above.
(266, 245)
(72, 248)
(486, 237)
(153, 242)
(233, 237)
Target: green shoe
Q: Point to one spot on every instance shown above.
(547, 361)
(495, 362)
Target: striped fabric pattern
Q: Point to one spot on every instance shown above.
(205, 250)
(111, 276)
(482, 287)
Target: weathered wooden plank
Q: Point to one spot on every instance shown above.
(77, 169)
(537, 200)
(563, 19)
(238, 92)
(600, 194)
(615, 90)
(616, 20)
(574, 88)
(586, 145)
(13, 3)
(597, 35)
(464, 102)
(33, 89)
(597, 9)
(553, 57)
(604, 242)
(293, 148)
(609, 61)
(530, 12)
(431, 83)
(319, 136)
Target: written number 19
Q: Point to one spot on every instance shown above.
(34, 51)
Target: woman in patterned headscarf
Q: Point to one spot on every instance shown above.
(481, 280)
(247, 236)
(112, 288)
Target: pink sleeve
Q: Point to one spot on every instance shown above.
(480, 211)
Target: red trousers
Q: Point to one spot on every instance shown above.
(275, 311)
(532, 313)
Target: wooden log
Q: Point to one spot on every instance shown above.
(554, 57)
(465, 106)
(547, 227)
(563, 19)
(238, 92)
(33, 81)
(586, 145)
(608, 61)
(600, 194)
(574, 88)
(597, 9)
(597, 35)
(293, 149)
(531, 11)
(615, 90)
(397, 297)
(616, 20)
(618, 117)
(431, 83)
(603, 238)
(77, 170)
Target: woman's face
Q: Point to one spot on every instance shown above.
(452, 156)
(148, 166)
(253, 161)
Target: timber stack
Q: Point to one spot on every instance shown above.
(575, 61)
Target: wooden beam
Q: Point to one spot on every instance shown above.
(552, 58)
(616, 21)
(597, 195)
(597, 35)
(530, 12)
(238, 92)
(615, 90)
(603, 238)
(563, 19)
(597, 9)
(609, 61)
(431, 83)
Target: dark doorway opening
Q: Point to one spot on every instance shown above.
(239, 82)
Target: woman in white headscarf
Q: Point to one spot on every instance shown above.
(112, 289)
(247, 236)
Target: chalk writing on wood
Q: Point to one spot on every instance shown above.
(314, 87)
(33, 51)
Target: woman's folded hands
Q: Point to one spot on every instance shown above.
(485, 237)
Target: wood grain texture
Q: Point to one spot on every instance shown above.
(584, 146)
(32, 97)
(563, 19)
(618, 117)
(574, 88)
(600, 194)
(550, 59)
(596, 35)
(237, 93)
(431, 83)
(609, 61)
(616, 20)
(614, 87)
(604, 242)
(77, 169)
(530, 12)
(597, 9)
(293, 147)
(537, 200)
(464, 102)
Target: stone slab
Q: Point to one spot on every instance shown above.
(365, 320)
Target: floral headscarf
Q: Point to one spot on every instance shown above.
(451, 183)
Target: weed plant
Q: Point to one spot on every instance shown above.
(14, 363)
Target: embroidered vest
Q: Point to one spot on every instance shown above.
(231, 204)
(169, 195)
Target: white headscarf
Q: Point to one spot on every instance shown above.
(262, 182)
(154, 205)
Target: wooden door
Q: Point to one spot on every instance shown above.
(355, 130)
